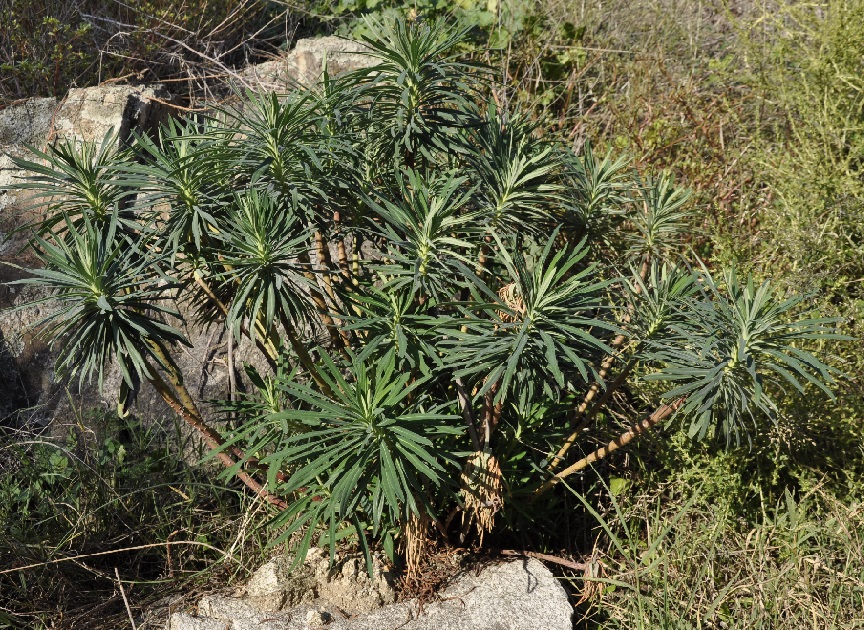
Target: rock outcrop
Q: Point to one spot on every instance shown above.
(305, 64)
(518, 595)
(27, 123)
(346, 586)
(26, 374)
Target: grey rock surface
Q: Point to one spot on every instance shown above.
(180, 621)
(26, 374)
(89, 113)
(304, 64)
(229, 608)
(27, 123)
(346, 586)
(518, 595)
(342, 55)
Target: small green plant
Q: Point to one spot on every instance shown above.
(491, 292)
(111, 493)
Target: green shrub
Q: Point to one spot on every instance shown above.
(514, 292)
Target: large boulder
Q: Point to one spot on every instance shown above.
(86, 114)
(26, 374)
(304, 64)
(518, 595)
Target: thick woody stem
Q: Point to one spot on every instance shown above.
(355, 261)
(571, 439)
(622, 440)
(465, 403)
(232, 384)
(176, 378)
(605, 367)
(182, 395)
(319, 301)
(325, 261)
(342, 253)
(211, 437)
(491, 414)
(322, 250)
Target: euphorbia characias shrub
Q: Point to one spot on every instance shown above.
(443, 373)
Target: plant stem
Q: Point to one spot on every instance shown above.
(232, 385)
(306, 359)
(570, 564)
(267, 350)
(355, 260)
(605, 367)
(125, 601)
(571, 439)
(341, 254)
(491, 413)
(211, 437)
(325, 261)
(465, 403)
(622, 440)
(319, 301)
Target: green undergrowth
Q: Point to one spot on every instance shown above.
(767, 535)
(671, 559)
(114, 498)
(758, 108)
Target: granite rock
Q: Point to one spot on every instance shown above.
(26, 363)
(518, 595)
(304, 64)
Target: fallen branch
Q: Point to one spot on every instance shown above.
(570, 564)
(125, 601)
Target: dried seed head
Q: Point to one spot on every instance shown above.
(509, 294)
(416, 542)
(481, 491)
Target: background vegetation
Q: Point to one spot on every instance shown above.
(48, 46)
(758, 107)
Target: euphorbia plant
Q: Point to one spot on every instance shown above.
(447, 300)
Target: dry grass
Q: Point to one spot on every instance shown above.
(47, 46)
(671, 563)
